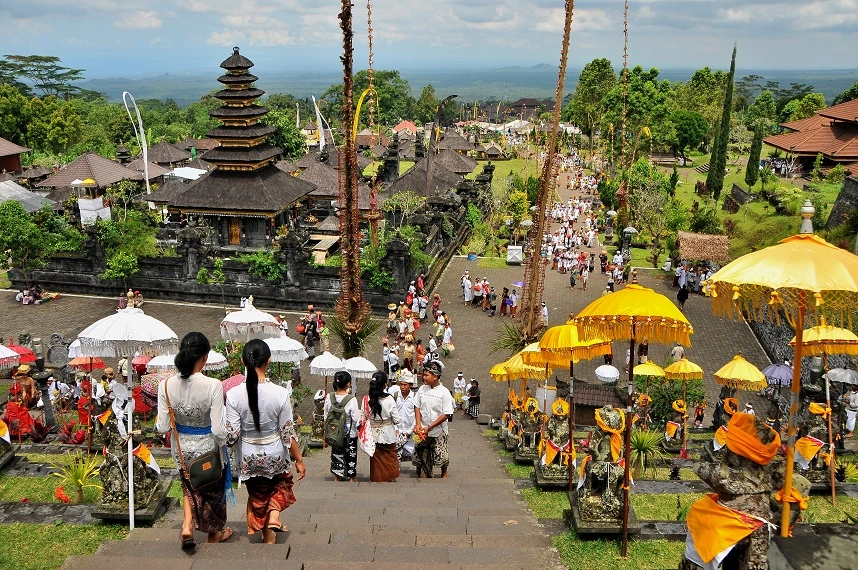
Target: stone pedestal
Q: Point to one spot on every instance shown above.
(585, 527)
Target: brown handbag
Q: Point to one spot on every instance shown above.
(202, 471)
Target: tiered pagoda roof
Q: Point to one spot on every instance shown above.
(243, 178)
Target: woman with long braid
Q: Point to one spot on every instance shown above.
(259, 424)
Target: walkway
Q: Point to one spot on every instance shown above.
(475, 519)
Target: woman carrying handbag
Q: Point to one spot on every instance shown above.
(196, 416)
(259, 423)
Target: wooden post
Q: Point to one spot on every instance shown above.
(795, 388)
(627, 452)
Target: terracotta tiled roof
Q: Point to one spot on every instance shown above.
(843, 112)
(90, 165)
(813, 122)
(405, 125)
(367, 138)
(837, 141)
(8, 148)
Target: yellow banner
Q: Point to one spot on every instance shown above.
(104, 417)
(715, 528)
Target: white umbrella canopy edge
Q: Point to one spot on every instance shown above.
(326, 364)
(359, 367)
(285, 349)
(249, 323)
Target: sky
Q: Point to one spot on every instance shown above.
(118, 38)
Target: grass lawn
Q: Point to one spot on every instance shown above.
(517, 471)
(492, 262)
(662, 507)
(62, 458)
(602, 554)
(14, 488)
(45, 547)
(4, 281)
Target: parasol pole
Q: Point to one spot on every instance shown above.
(130, 415)
(91, 409)
(830, 434)
(646, 391)
(569, 462)
(628, 450)
(793, 412)
(684, 422)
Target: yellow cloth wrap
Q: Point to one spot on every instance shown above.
(819, 410)
(731, 405)
(670, 429)
(679, 406)
(583, 468)
(714, 527)
(827, 457)
(552, 449)
(794, 497)
(644, 400)
(742, 440)
(808, 447)
(635, 419)
(616, 434)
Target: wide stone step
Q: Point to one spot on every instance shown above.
(474, 556)
(181, 562)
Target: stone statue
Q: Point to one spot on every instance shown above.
(812, 443)
(25, 339)
(600, 493)
(529, 430)
(516, 418)
(800, 495)
(675, 427)
(742, 481)
(721, 416)
(555, 446)
(114, 471)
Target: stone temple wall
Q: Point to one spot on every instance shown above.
(847, 200)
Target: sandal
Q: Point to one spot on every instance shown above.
(278, 527)
(188, 543)
(225, 535)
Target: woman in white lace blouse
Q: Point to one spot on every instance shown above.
(259, 423)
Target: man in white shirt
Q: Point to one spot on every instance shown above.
(433, 407)
(677, 352)
(545, 313)
(407, 380)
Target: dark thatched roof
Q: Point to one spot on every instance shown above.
(454, 141)
(286, 166)
(415, 180)
(266, 191)
(169, 190)
(200, 164)
(702, 247)
(458, 163)
(236, 61)
(155, 170)
(166, 153)
(90, 165)
(202, 145)
(327, 183)
(250, 155)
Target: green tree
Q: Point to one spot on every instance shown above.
(649, 191)
(587, 106)
(120, 265)
(517, 207)
(690, 127)
(849, 95)
(13, 114)
(394, 96)
(762, 113)
(287, 136)
(426, 105)
(703, 94)
(54, 126)
(718, 162)
(752, 172)
(807, 106)
(45, 73)
(746, 88)
(816, 172)
(405, 203)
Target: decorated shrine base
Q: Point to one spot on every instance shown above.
(523, 459)
(583, 527)
(148, 515)
(548, 483)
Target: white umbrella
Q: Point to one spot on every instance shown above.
(122, 334)
(607, 373)
(285, 349)
(74, 349)
(844, 375)
(165, 362)
(360, 367)
(326, 364)
(8, 357)
(249, 323)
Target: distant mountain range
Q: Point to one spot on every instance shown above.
(504, 83)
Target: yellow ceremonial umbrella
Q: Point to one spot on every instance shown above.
(741, 375)
(685, 370)
(499, 373)
(630, 313)
(800, 272)
(826, 339)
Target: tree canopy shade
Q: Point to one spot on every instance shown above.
(703, 94)
(690, 128)
(287, 136)
(849, 95)
(394, 95)
(799, 109)
(762, 113)
(752, 172)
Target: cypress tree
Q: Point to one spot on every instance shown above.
(718, 162)
(753, 171)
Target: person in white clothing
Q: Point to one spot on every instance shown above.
(447, 342)
(405, 444)
(545, 313)
(344, 460)
(433, 407)
(851, 409)
(380, 409)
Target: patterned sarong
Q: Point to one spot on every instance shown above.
(430, 453)
(344, 459)
(265, 495)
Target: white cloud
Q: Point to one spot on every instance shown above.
(139, 21)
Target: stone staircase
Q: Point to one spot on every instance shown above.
(703, 168)
(475, 519)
